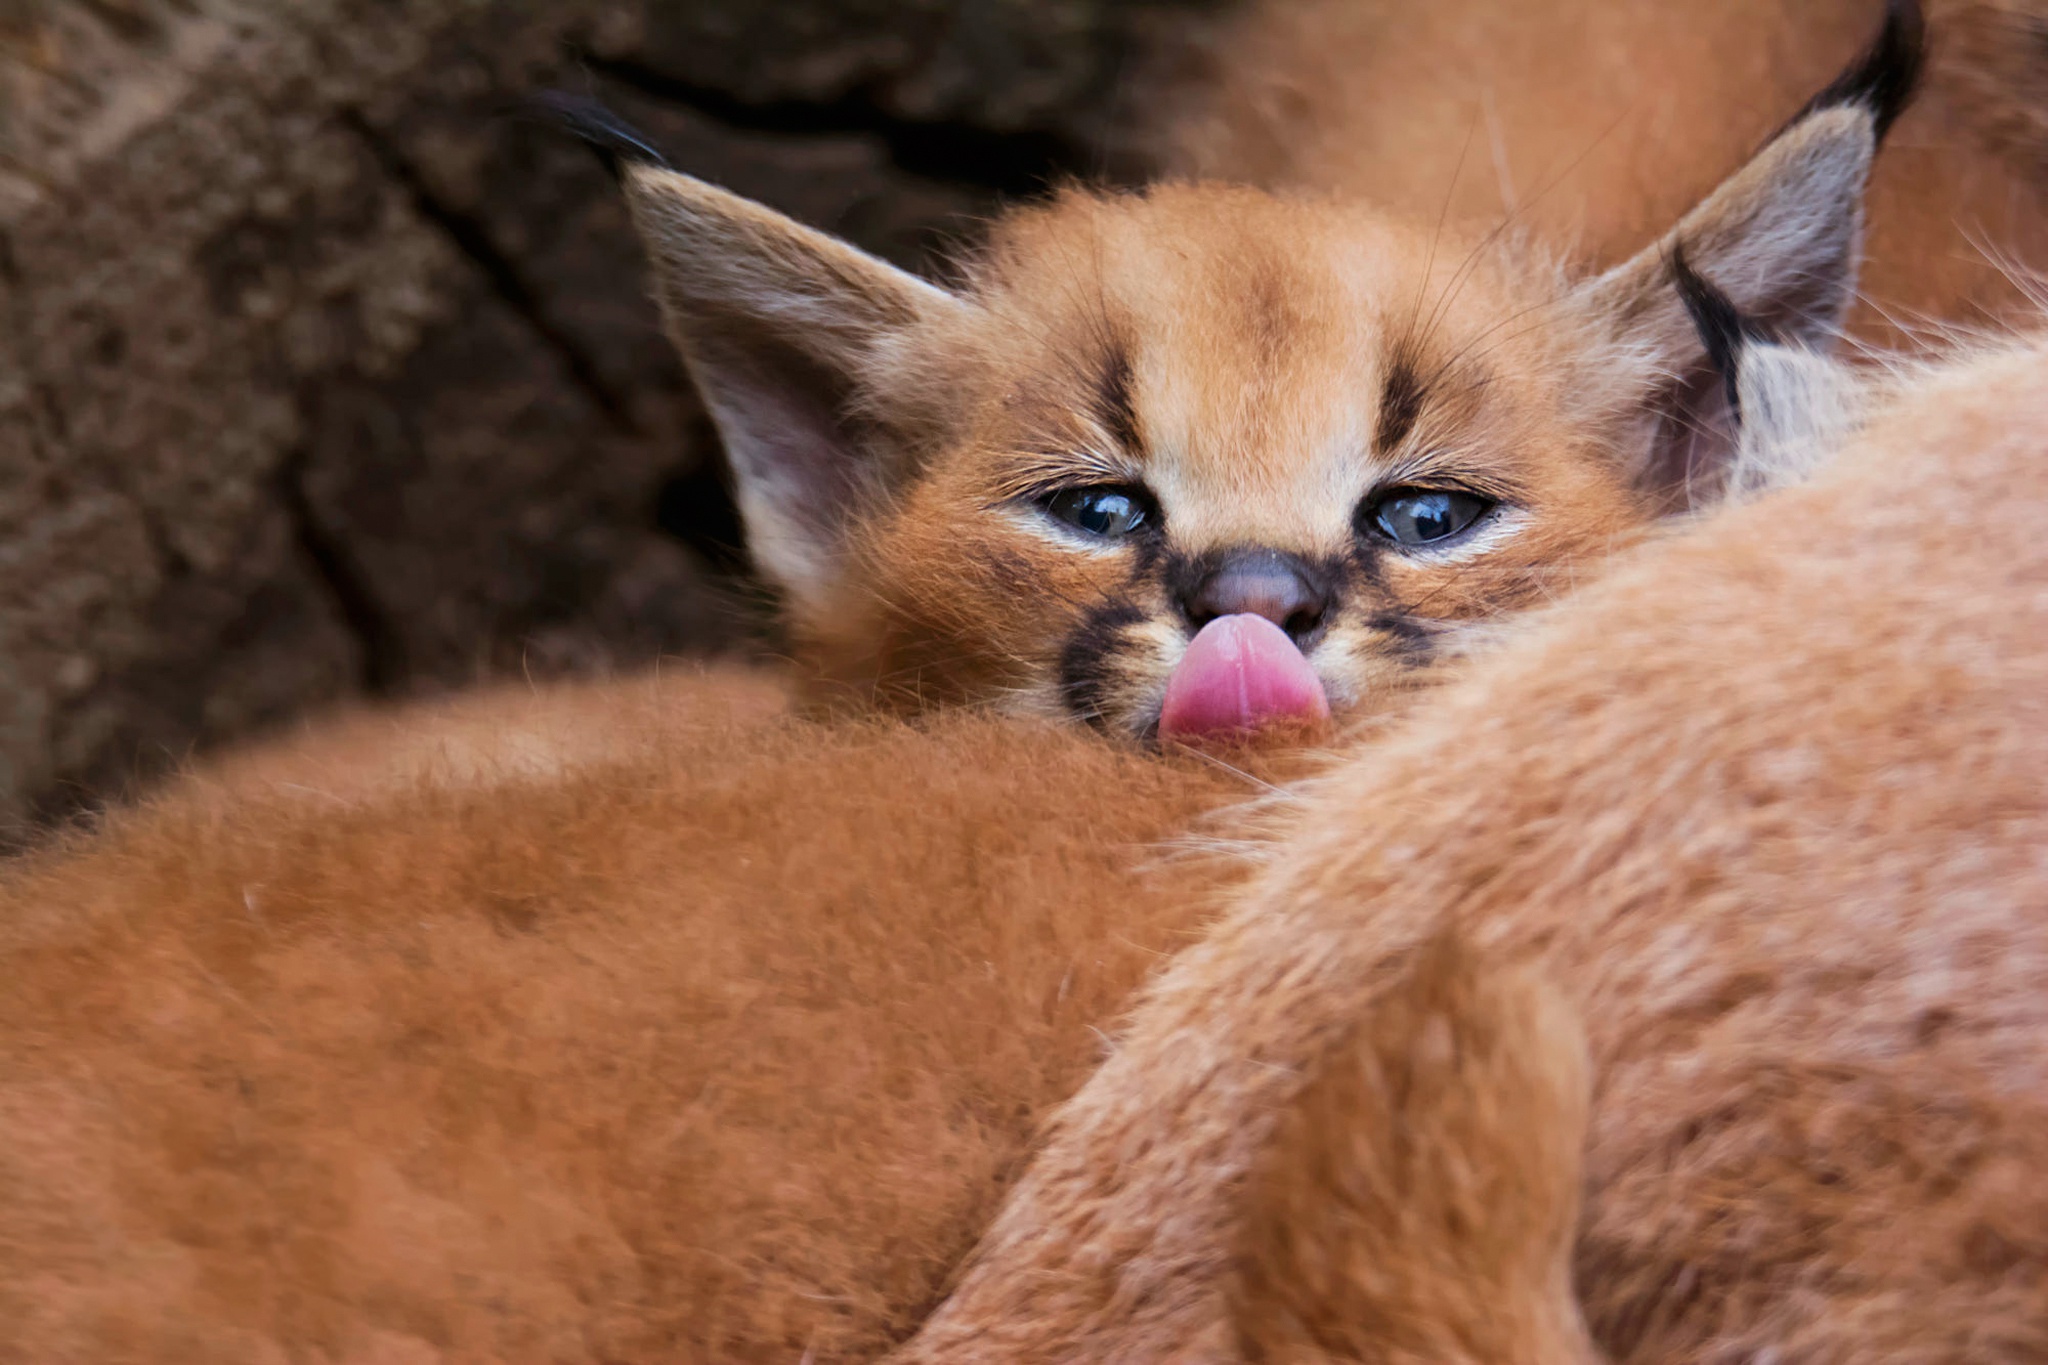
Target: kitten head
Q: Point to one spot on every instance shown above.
(1335, 439)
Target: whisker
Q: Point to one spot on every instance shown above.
(1514, 213)
(1442, 217)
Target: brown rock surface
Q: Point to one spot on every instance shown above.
(324, 373)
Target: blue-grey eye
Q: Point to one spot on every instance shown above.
(1419, 516)
(1107, 510)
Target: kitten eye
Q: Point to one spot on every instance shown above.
(1106, 510)
(1418, 516)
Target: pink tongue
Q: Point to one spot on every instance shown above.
(1240, 673)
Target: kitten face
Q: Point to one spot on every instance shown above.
(1353, 437)
(1202, 400)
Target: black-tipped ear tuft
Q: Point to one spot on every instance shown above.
(617, 143)
(1724, 329)
(1885, 76)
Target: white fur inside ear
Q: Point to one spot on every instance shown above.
(1798, 407)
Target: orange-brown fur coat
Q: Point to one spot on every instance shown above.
(712, 1039)
(687, 1030)
(1750, 844)
(652, 1022)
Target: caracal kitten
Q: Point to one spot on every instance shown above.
(1668, 990)
(658, 1024)
(1200, 458)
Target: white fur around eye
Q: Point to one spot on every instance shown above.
(1495, 528)
(1040, 526)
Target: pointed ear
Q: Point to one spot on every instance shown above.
(1781, 238)
(787, 333)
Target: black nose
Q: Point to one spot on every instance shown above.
(1265, 583)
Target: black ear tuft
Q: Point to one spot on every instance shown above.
(616, 143)
(1724, 329)
(1884, 77)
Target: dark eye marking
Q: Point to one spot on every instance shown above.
(1421, 516)
(1115, 409)
(1107, 511)
(1401, 398)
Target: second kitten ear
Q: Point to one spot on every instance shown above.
(1781, 238)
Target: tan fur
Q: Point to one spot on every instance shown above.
(507, 733)
(716, 1045)
(450, 1055)
(1768, 809)
(646, 1021)
(1458, 1106)
(1594, 121)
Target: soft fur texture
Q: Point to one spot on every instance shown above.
(648, 1021)
(711, 1042)
(1593, 122)
(1459, 1105)
(644, 1021)
(1767, 810)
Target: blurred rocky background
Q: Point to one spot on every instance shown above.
(326, 374)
